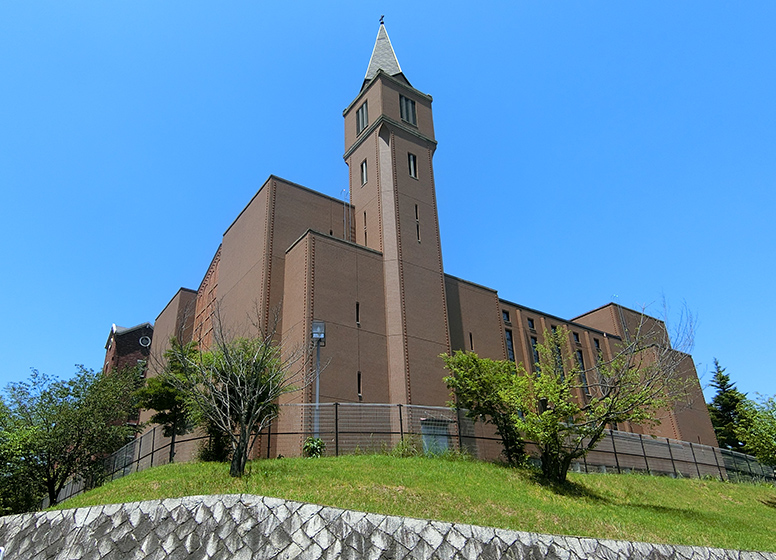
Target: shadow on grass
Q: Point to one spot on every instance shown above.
(770, 502)
(568, 488)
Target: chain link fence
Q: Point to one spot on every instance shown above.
(348, 428)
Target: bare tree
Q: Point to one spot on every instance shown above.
(236, 383)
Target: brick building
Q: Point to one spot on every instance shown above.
(128, 347)
(371, 270)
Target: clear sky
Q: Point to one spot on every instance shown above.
(588, 152)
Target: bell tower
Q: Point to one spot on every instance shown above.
(389, 147)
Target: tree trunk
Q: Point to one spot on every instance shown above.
(52, 493)
(239, 458)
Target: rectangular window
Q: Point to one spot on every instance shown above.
(583, 374)
(365, 243)
(358, 381)
(358, 313)
(413, 164)
(407, 107)
(363, 173)
(576, 338)
(471, 342)
(597, 344)
(510, 345)
(535, 350)
(362, 118)
(531, 324)
(505, 315)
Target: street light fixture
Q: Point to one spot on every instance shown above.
(319, 336)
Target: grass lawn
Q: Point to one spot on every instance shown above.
(629, 507)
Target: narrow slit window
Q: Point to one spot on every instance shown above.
(358, 313)
(358, 385)
(471, 342)
(362, 118)
(417, 222)
(365, 243)
(413, 165)
(364, 175)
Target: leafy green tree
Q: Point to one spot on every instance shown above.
(18, 490)
(723, 409)
(235, 386)
(58, 430)
(565, 410)
(170, 405)
(479, 386)
(756, 428)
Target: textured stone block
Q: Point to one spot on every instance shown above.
(251, 527)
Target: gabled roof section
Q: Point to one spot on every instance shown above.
(383, 58)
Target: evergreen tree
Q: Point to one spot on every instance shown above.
(723, 410)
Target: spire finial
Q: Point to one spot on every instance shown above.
(381, 20)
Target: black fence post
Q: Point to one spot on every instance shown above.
(644, 451)
(749, 466)
(153, 444)
(401, 424)
(671, 453)
(719, 467)
(336, 429)
(458, 420)
(614, 448)
(269, 439)
(695, 460)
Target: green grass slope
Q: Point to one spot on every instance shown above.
(629, 507)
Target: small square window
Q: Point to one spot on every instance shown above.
(413, 165)
(363, 172)
(407, 108)
(362, 118)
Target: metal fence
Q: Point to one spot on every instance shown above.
(348, 428)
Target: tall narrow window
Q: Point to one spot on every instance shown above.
(505, 315)
(362, 118)
(358, 313)
(407, 108)
(358, 386)
(531, 324)
(471, 342)
(597, 344)
(583, 374)
(510, 345)
(365, 243)
(417, 222)
(363, 173)
(535, 350)
(413, 165)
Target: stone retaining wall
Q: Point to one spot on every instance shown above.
(243, 527)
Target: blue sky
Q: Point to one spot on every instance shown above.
(588, 152)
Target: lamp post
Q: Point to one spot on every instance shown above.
(319, 336)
